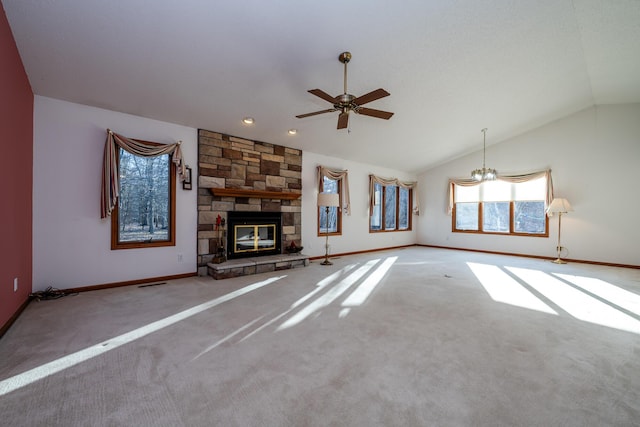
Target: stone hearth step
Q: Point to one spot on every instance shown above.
(255, 265)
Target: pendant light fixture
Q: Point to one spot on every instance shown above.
(484, 174)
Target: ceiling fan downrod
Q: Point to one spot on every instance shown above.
(345, 57)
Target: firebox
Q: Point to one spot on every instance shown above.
(251, 234)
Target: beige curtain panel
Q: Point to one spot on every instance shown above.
(337, 175)
(412, 185)
(507, 178)
(110, 181)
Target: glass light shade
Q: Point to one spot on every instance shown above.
(484, 174)
(489, 175)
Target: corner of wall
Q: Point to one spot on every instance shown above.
(16, 179)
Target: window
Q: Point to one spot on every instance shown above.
(391, 210)
(500, 207)
(329, 185)
(337, 182)
(145, 212)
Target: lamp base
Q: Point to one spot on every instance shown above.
(326, 262)
(558, 261)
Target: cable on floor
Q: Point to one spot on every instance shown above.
(50, 293)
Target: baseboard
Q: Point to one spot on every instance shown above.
(13, 318)
(4, 328)
(362, 252)
(580, 261)
(129, 283)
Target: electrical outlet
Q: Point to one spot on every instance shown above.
(15, 284)
(179, 257)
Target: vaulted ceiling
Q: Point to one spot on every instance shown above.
(452, 67)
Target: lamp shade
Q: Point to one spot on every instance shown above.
(559, 206)
(328, 199)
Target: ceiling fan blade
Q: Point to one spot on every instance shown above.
(324, 95)
(343, 120)
(302, 116)
(371, 96)
(375, 113)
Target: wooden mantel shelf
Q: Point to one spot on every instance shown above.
(259, 194)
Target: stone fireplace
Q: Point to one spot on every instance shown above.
(243, 177)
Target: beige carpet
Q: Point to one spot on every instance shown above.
(415, 337)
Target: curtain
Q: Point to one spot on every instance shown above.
(337, 175)
(508, 178)
(412, 185)
(110, 176)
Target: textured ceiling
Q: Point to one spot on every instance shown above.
(452, 67)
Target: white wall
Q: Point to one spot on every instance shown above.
(71, 244)
(594, 156)
(355, 227)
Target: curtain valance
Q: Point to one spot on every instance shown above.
(337, 175)
(464, 182)
(412, 185)
(110, 176)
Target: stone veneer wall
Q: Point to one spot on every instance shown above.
(228, 162)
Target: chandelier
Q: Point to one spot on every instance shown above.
(484, 174)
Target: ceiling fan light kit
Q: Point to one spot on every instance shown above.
(346, 103)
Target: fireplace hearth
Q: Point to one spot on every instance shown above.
(251, 234)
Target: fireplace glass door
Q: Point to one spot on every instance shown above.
(254, 238)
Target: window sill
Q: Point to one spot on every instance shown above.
(495, 233)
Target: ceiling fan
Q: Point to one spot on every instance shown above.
(346, 103)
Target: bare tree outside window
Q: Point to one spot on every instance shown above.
(329, 186)
(391, 208)
(495, 217)
(466, 216)
(502, 207)
(530, 217)
(404, 213)
(145, 202)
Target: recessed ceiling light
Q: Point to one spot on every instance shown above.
(248, 120)
(292, 131)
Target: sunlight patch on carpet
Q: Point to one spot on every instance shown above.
(605, 290)
(228, 337)
(330, 296)
(323, 284)
(503, 288)
(21, 380)
(319, 286)
(362, 292)
(575, 302)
